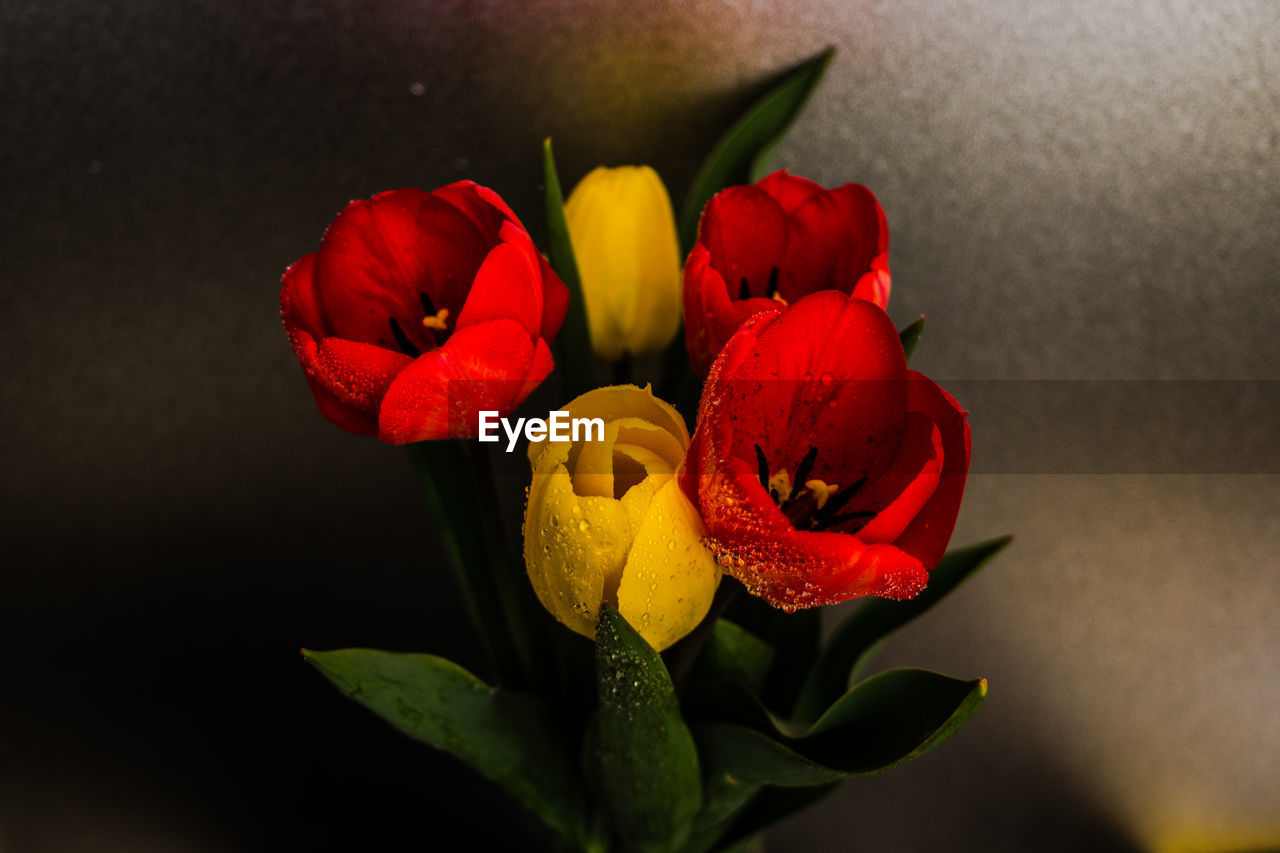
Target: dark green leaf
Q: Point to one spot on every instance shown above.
(753, 756)
(742, 155)
(794, 637)
(910, 336)
(884, 721)
(649, 765)
(733, 652)
(723, 795)
(847, 650)
(573, 344)
(509, 737)
(771, 806)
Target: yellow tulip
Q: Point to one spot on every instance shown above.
(623, 232)
(606, 521)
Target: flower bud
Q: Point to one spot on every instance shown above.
(624, 239)
(606, 521)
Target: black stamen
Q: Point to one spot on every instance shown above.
(406, 345)
(762, 466)
(744, 289)
(840, 499)
(427, 305)
(823, 524)
(802, 472)
(772, 287)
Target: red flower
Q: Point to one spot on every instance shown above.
(766, 245)
(824, 468)
(419, 310)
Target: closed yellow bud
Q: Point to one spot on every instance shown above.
(607, 522)
(623, 232)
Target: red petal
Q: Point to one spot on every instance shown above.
(930, 531)
(555, 301)
(357, 374)
(540, 367)
(911, 481)
(299, 305)
(710, 316)
(876, 285)
(341, 415)
(788, 190)
(481, 205)
(828, 372)
(484, 366)
(746, 232)
(806, 569)
(508, 285)
(834, 238)
(380, 255)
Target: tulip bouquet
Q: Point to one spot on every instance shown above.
(659, 676)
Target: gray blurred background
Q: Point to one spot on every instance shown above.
(1075, 191)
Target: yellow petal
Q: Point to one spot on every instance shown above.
(574, 547)
(624, 239)
(616, 402)
(670, 577)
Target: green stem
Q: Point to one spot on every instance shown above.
(449, 486)
(525, 616)
(622, 370)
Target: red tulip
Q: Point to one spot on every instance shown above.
(763, 246)
(421, 309)
(824, 469)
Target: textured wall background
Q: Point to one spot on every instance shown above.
(1078, 190)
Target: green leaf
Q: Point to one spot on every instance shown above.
(723, 795)
(754, 756)
(509, 737)
(884, 721)
(742, 155)
(771, 806)
(794, 637)
(573, 344)
(649, 764)
(847, 650)
(733, 652)
(910, 336)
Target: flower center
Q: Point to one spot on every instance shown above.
(770, 288)
(434, 329)
(808, 503)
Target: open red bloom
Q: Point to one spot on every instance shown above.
(824, 469)
(421, 309)
(763, 246)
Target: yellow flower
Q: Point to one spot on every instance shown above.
(624, 239)
(607, 522)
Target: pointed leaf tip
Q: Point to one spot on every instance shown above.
(910, 336)
(742, 155)
(849, 648)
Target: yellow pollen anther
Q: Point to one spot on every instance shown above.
(437, 321)
(821, 491)
(778, 297)
(780, 483)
